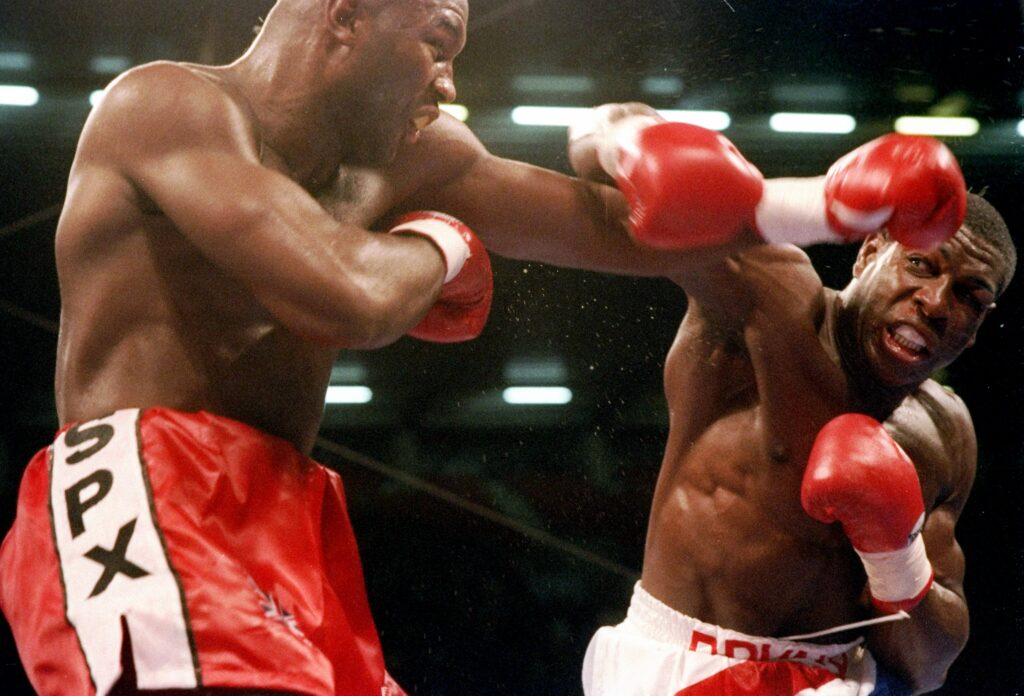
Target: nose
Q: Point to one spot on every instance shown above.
(932, 298)
(444, 84)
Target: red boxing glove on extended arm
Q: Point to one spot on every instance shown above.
(859, 476)
(462, 308)
(915, 177)
(689, 187)
(686, 186)
(910, 185)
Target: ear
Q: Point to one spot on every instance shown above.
(340, 18)
(974, 336)
(869, 250)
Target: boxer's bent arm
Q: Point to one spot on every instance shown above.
(526, 212)
(188, 147)
(945, 452)
(922, 649)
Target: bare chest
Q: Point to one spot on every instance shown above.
(359, 196)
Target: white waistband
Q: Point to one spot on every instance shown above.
(654, 619)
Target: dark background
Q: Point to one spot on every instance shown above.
(497, 539)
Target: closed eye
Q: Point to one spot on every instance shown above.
(978, 300)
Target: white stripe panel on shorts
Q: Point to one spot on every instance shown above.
(112, 557)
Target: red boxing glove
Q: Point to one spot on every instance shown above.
(911, 184)
(859, 476)
(686, 186)
(464, 304)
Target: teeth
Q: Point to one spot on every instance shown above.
(909, 338)
(421, 122)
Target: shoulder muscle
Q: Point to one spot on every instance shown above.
(934, 426)
(160, 107)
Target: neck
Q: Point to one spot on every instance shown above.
(279, 81)
(867, 394)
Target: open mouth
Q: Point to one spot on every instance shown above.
(906, 343)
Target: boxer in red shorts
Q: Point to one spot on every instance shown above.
(232, 557)
(217, 249)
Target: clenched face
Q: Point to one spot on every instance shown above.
(404, 65)
(916, 311)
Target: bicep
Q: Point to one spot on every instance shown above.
(218, 198)
(944, 552)
(772, 299)
(200, 170)
(188, 149)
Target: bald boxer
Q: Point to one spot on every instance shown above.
(218, 247)
(814, 472)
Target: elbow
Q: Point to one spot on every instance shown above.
(930, 674)
(928, 681)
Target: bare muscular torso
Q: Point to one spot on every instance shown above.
(728, 541)
(147, 319)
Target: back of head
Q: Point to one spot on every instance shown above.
(985, 222)
(284, 16)
(289, 20)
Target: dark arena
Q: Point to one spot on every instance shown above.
(511, 347)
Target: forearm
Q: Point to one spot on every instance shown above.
(922, 648)
(594, 235)
(364, 295)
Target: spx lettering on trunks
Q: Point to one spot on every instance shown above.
(114, 565)
(89, 491)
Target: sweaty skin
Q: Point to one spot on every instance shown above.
(764, 357)
(213, 253)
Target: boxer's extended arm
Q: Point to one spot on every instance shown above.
(526, 212)
(689, 187)
(187, 147)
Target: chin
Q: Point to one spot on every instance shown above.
(376, 153)
(904, 378)
(893, 374)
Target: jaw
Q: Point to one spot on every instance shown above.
(896, 365)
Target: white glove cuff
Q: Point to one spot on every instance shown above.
(792, 211)
(895, 576)
(448, 240)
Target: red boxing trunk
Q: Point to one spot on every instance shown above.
(227, 554)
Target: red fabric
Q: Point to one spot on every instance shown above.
(779, 678)
(260, 538)
(31, 593)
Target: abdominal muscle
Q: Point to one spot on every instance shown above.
(729, 544)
